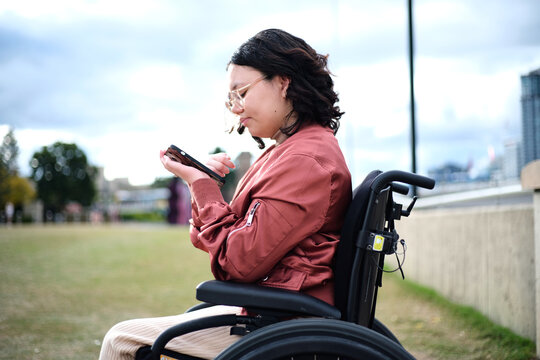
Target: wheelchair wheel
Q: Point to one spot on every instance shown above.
(383, 330)
(314, 339)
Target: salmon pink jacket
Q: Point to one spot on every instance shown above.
(283, 224)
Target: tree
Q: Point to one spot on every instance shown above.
(13, 189)
(62, 174)
(161, 182)
(4, 185)
(9, 151)
(20, 191)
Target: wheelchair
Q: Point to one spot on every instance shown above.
(284, 324)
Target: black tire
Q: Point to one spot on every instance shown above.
(314, 339)
(383, 330)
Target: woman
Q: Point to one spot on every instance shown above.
(282, 225)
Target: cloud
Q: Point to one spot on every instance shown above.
(117, 75)
(456, 28)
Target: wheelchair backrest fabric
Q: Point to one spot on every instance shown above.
(344, 258)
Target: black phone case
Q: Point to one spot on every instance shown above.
(177, 154)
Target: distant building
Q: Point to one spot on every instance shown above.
(450, 173)
(142, 200)
(242, 162)
(512, 162)
(530, 106)
(118, 197)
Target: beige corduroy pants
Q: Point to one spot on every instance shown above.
(124, 339)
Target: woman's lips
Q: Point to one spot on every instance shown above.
(243, 121)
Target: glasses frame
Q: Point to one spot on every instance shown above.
(234, 97)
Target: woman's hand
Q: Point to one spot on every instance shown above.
(219, 163)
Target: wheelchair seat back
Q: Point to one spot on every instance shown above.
(357, 271)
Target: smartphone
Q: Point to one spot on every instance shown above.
(183, 157)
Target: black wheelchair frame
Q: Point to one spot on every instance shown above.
(313, 329)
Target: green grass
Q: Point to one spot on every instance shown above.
(63, 287)
(432, 327)
(503, 343)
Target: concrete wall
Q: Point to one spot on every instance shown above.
(481, 257)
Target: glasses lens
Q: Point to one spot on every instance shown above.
(236, 99)
(231, 119)
(229, 101)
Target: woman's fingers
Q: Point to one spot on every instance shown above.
(220, 163)
(187, 173)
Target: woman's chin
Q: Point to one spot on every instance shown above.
(252, 132)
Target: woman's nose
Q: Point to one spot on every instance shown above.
(237, 108)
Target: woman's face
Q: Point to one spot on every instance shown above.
(265, 106)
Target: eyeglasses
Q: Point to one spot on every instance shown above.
(236, 97)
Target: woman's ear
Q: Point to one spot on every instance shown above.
(284, 83)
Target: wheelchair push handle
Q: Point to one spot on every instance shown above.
(400, 188)
(386, 178)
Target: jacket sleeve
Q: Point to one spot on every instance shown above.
(289, 204)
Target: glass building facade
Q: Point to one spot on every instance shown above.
(530, 105)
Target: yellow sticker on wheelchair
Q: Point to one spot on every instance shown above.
(378, 243)
(163, 357)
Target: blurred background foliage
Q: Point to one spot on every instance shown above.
(62, 175)
(15, 191)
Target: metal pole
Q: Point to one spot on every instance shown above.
(411, 87)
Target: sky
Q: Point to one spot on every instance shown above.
(124, 79)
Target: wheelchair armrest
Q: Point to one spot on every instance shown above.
(257, 298)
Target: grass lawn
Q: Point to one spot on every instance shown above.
(63, 287)
(431, 327)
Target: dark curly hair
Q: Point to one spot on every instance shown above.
(311, 89)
